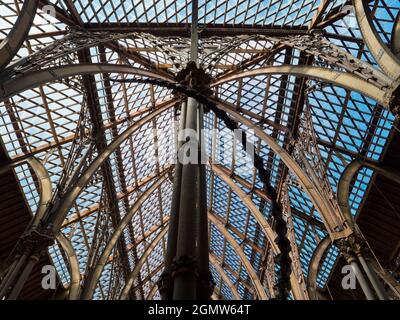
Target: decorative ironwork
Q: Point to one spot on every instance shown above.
(55, 113)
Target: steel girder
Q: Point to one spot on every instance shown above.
(239, 251)
(314, 265)
(45, 193)
(11, 44)
(153, 230)
(343, 191)
(339, 78)
(71, 138)
(57, 218)
(303, 216)
(100, 142)
(53, 219)
(94, 276)
(45, 186)
(92, 210)
(77, 41)
(250, 126)
(285, 130)
(319, 14)
(321, 205)
(392, 283)
(183, 29)
(152, 292)
(297, 279)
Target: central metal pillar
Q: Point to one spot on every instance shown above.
(187, 275)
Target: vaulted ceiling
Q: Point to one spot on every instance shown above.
(67, 117)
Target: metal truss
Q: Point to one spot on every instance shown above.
(83, 101)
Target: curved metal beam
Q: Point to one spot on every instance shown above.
(138, 266)
(74, 272)
(36, 78)
(396, 37)
(333, 218)
(45, 185)
(382, 54)
(265, 227)
(239, 251)
(326, 211)
(225, 277)
(343, 192)
(341, 79)
(57, 217)
(45, 193)
(11, 44)
(269, 233)
(94, 276)
(343, 189)
(314, 265)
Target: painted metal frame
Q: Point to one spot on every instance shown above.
(266, 228)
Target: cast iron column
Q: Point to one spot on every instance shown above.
(186, 263)
(187, 275)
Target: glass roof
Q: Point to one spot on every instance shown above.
(52, 120)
